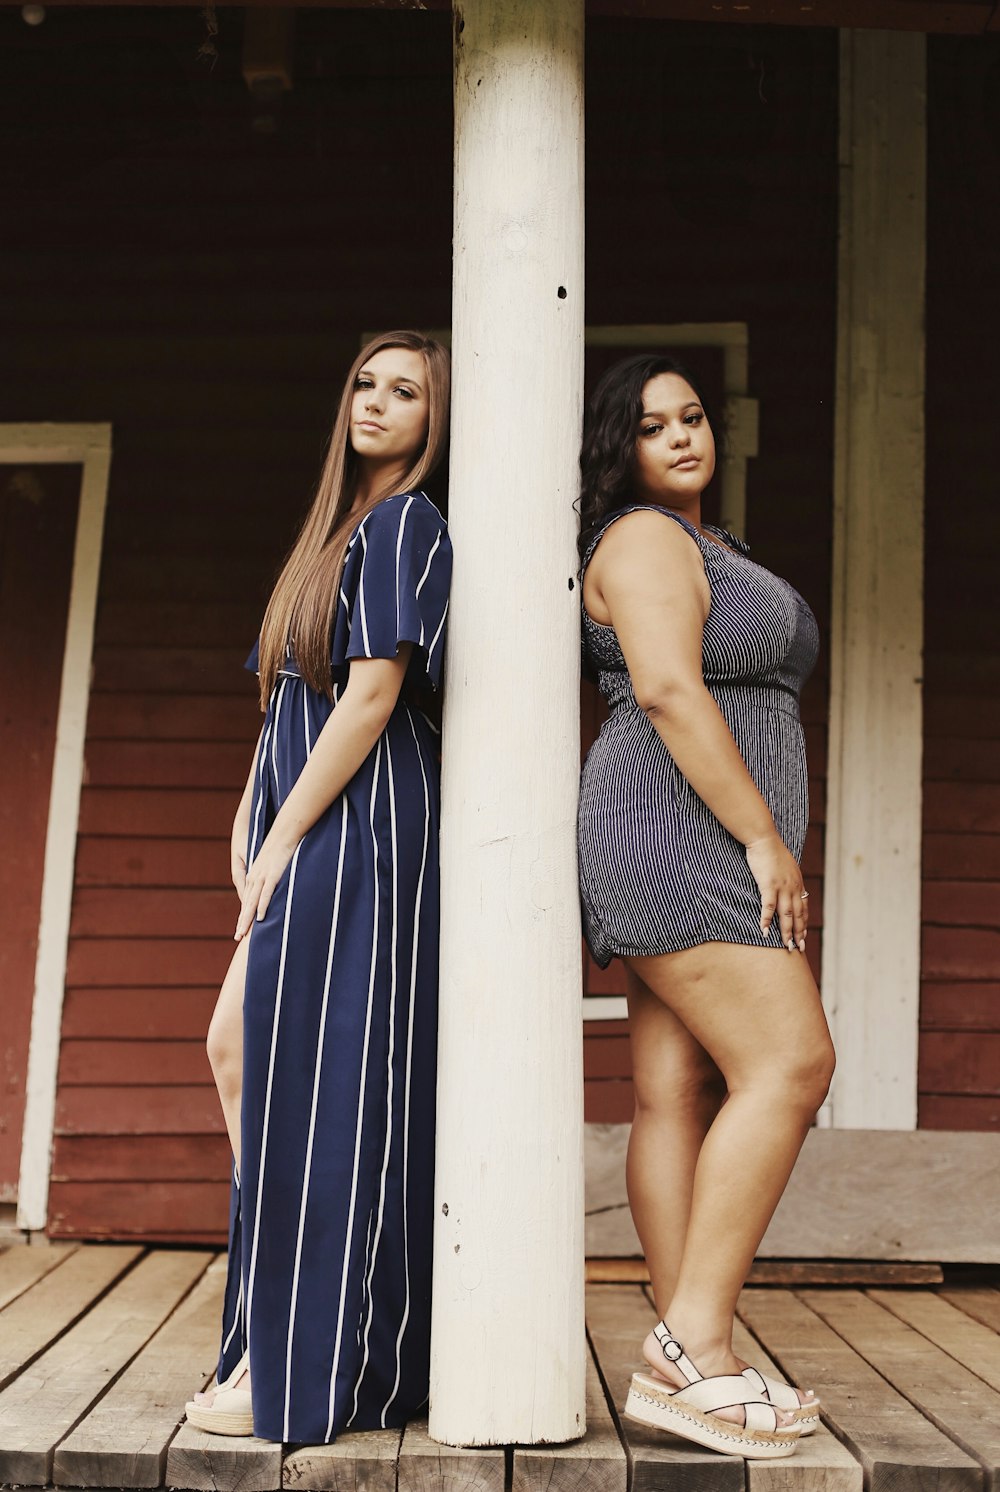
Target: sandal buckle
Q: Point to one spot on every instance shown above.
(671, 1350)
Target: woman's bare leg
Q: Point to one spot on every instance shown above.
(678, 1091)
(225, 1053)
(225, 1044)
(757, 1013)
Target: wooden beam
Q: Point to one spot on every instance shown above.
(872, 889)
(508, 1251)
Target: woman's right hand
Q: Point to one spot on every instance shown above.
(779, 878)
(238, 852)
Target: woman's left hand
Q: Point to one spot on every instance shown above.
(264, 874)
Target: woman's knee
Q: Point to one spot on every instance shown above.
(695, 1088)
(224, 1055)
(806, 1075)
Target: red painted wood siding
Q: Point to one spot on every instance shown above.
(960, 995)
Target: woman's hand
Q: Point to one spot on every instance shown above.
(264, 874)
(238, 851)
(777, 873)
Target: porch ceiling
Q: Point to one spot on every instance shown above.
(961, 17)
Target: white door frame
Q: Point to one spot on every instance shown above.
(88, 446)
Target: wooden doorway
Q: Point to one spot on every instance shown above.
(53, 485)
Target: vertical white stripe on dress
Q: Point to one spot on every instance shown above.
(399, 545)
(362, 1085)
(251, 1273)
(420, 583)
(307, 1171)
(361, 591)
(409, 1069)
(274, 734)
(261, 764)
(389, 1081)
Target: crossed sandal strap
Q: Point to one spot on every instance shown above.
(730, 1391)
(781, 1394)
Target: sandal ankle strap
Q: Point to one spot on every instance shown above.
(674, 1352)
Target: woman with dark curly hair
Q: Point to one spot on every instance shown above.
(693, 813)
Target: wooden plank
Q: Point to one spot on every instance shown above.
(158, 1063)
(976, 1301)
(151, 813)
(975, 1346)
(949, 856)
(41, 1406)
(960, 1062)
(168, 764)
(961, 1006)
(962, 805)
(21, 1267)
(785, 1272)
(960, 953)
(618, 1318)
(163, 1014)
(162, 961)
(153, 1157)
(954, 1399)
(123, 1441)
(149, 1209)
(116, 860)
(150, 716)
(962, 903)
(959, 1113)
(425, 1465)
(895, 1444)
(362, 1462)
(126, 912)
(854, 1194)
(138, 1111)
(37, 1317)
(201, 1462)
(820, 1462)
(595, 1463)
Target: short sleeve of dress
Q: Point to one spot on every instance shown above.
(395, 586)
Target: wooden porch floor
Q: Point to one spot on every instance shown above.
(101, 1344)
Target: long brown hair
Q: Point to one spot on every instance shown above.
(304, 600)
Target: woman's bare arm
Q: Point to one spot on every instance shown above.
(361, 715)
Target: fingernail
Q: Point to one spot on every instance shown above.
(802, 945)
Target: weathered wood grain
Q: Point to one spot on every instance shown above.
(123, 1441)
(979, 1303)
(364, 1462)
(43, 1404)
(618, 1318)
(595, 1463)
(43, 1312)
(20, 1268)
(962, 1406)
(201, 1462)
(972, 1344)
(820, 1463)
(854, 1194)
(792, 1272)
(425, 1465)
(897, 1447)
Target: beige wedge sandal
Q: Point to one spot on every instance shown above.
(806, 1415)
(692, 1411)
(231, 1409)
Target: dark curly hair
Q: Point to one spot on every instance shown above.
(610, 432)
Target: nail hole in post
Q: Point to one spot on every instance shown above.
(561, 292)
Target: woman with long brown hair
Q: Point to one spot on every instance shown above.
(323, 1039)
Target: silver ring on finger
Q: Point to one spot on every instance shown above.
(803, 896)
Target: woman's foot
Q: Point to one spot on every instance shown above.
(226, 1408)
(713, 1359)
(206, 1397)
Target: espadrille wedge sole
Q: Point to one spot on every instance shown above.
(230, 1413)
(231, 1409)
(649, 1402)
(783, 1396)
(692, 1411)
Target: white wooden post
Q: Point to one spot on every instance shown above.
(508, 1333)
(871, 939)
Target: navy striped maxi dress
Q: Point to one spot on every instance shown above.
(658, 871)
(331, 1216)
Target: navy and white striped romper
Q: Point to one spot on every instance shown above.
(658, 872)
(330, 1235)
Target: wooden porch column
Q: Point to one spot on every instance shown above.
(508, 1337)
(871, 935)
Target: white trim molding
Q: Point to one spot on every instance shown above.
(871, 937)
(90, 447)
